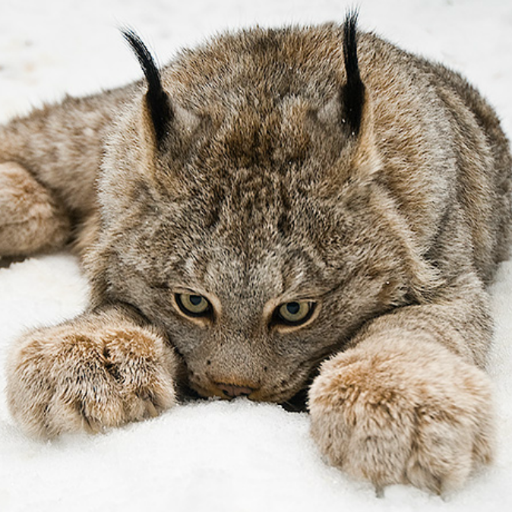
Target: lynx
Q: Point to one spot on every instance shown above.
(279, 213)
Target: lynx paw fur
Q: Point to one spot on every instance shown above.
(89, 375)
(403, 412)
(30, 218)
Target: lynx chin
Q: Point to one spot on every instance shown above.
(294, 215)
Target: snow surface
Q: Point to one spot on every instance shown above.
(238, 456)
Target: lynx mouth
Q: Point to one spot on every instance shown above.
(295, 402)
(282, 391)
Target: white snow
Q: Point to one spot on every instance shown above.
(238, 456)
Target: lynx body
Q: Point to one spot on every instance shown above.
(276, 211)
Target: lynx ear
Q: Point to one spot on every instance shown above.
(157, 100)
(356, 106)
(353, 95)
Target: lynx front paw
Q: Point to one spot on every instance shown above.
(403, 412)
(89, 375)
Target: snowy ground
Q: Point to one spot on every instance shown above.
(237, 456)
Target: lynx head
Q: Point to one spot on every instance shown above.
(241, 210)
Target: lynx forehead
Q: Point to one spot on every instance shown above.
(277, 212)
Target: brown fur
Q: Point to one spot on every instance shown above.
(258, 195)
(33, 221)
(83, 376)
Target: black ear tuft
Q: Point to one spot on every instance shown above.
(158, 101)
(354, 91)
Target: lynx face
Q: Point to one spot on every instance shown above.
(259, 295)
(251, 231)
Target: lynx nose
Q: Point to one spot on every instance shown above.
(234, 391)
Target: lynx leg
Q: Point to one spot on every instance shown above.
(31, 220)
(407, 404)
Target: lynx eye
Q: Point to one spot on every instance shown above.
(294, 313)
(193, 305)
